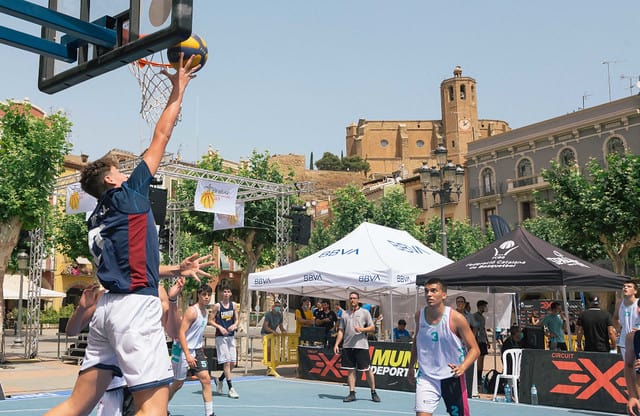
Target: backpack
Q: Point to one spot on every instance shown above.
(489, 383)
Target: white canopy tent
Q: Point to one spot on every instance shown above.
(380, 263)
(11, 289)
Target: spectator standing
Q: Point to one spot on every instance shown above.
(554, 322)
(479, 327)
(225, 320)
(625, 316)
(596, 326)
(304, 315)
(439, 349)
(461, 306)
(327, 319)
(273, 320)
(354, 326)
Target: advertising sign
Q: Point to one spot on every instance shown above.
(577, 380)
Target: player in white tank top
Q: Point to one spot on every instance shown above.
(438, 348)
(626, 315)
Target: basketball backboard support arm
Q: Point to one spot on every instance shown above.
(89, 32)
(92, 46)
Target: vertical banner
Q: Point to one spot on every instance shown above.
(224, 222)
(78, 200)
(216, 197)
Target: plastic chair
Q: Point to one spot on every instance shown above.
(514, 372)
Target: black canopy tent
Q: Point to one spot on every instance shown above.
(520, 261)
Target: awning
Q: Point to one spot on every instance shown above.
(11, 288)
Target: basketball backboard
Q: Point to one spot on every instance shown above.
(81, 39)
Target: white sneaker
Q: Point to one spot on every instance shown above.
(233, 394)
(218, 385)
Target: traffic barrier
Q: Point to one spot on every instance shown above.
(279, 349)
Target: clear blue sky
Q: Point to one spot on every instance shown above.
(288, 76)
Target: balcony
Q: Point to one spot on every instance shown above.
(478, 194)
(526, 184)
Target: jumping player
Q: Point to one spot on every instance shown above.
(124, 243)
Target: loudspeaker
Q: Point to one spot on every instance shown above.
(534, 337)
(158, 198)
(62, 325)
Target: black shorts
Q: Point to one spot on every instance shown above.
(201, 362)
(355, 358)
(484, 348)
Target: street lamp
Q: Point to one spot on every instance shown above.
(441, 181)
(23, 265)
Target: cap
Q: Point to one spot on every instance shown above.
(594, 301)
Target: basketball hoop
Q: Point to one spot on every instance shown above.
(155, 87)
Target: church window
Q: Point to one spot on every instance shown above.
(419, 143)
(451, 96)
(463, 92)
(384, 143)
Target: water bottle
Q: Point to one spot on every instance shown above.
(534, 394)
(507, 393)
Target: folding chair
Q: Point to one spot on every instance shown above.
(510, 372)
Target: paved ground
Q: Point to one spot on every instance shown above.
(48, 373)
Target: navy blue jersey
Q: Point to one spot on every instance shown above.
(225, 318)
(123, 237)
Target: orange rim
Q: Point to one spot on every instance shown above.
(144, 62)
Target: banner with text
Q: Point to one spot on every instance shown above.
(389, 361)
(578, 380)
(215, 197)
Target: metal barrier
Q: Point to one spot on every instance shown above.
(279, 349)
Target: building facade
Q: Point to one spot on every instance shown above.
(504, 171)
(398, 148)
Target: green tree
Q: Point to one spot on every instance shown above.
(603, 205)
(394, 211)
(32, 151)
(355, 164)
(71, 234)
(350, 208)
(463, 239)
(329, 161)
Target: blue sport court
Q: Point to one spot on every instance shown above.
(269, 396)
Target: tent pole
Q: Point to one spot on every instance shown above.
(495, 341)
(566, 314)
(391, 324)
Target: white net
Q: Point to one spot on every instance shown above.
(155, 87)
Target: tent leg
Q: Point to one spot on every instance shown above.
(566, 313)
